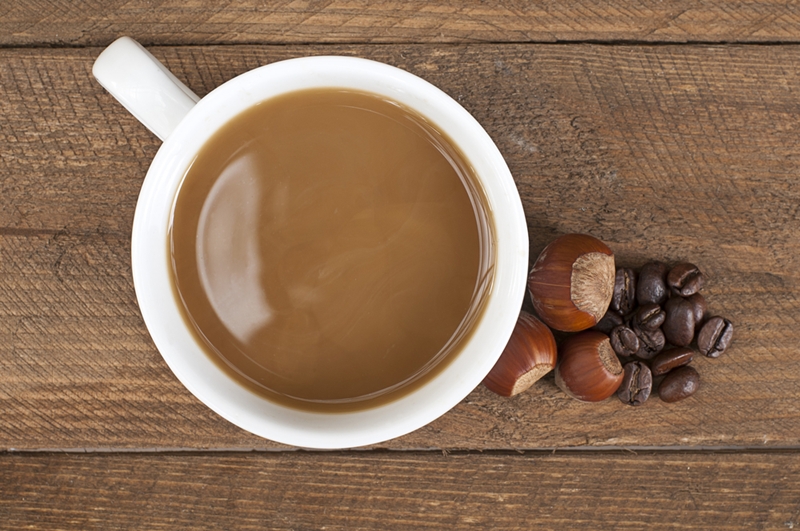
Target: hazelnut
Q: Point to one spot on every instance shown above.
(529, 355)
(572, 282)
(588, 369)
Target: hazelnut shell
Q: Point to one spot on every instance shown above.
(529, 355)
(588, 370)
(572, 282)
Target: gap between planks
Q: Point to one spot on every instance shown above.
(575, 450)
(560, 42)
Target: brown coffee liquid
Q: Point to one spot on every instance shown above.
(331, 249)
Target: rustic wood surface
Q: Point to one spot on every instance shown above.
(672, 152)
(400, 491)
(85, 22)
(667, 152)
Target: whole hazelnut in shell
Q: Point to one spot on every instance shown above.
(529, 355)
(588, 369)
(572, 282)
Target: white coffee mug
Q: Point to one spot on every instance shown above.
(185, 122)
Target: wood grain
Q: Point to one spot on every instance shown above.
(174, 22)
(668, 152)
(393, 491)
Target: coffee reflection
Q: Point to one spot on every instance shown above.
(228, 250)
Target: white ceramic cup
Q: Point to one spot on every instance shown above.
(185, 122)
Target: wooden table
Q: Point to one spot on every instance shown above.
(667, 129)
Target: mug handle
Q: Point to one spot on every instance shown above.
(150, 92)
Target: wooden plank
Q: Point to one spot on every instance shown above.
(173, 22)
(390, 491)
(669, 152)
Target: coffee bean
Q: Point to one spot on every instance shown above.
(649, 317)
(624, 341)
(715, 336)
(651, 342)
(624, 298)
(679, 384)
(679, 324)
(637, 383)
(699, 303)
(685, 279)
(670, 359)
(609, 321)
(652, 286)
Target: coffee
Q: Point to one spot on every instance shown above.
(331, 250)
(624, 341)
(715, 336)
(679, 383)
(637, 383)
(670, 359)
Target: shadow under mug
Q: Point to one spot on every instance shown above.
(185, 122)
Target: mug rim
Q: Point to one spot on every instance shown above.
(187, 358)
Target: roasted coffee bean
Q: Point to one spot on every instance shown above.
(649, 317)
(715, 336)
(685, 279)
(679, 384)
(699, 303)
(624, 341)
(609, 322)
(670, 359)
(651, 342)
(679, 324)
(624, 298)
(637, 383)
(652, 285)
